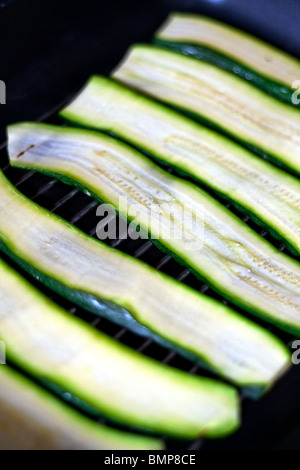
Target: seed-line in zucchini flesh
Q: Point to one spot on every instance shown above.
(33, 419)
(216, 97)
(256, 61)
(232, 258)
(127, 291)
(269, 195)
(123, 385)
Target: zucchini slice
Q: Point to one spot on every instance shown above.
(186, 221)
(33, 419)
(122, 384)
(261, 190)
(216, 97)
(252, 59)
(125, 290)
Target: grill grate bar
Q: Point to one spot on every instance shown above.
(182, 276)
(145, 345)
(163, 261)
(73, 310)
(143, 249)
(120, 333)
(25, 177)
(64, 200)
(169, 357)
(83, 212)
(44, 189)
(96, 322)
(204, 289)
(194, 369)
(116, 243)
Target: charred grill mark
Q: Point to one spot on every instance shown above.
(24, 151)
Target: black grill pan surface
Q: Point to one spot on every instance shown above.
(48, 50)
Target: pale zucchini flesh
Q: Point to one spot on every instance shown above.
(229, 255)
(86, 271)
(261, 64)
(122, 384)
(214, 96)
(33, 419)
(269, 195)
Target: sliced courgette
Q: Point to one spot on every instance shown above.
(186, 221)
(92, 274)
(218, 98)
(33, 419)
(256, 61)
(122, 384)
(261, 190)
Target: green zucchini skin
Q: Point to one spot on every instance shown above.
(128, 301)
(33, 419)
(262, 65)
(274, 89)
(268, 195)
(260, 273)
(122, 384)
(214, 96)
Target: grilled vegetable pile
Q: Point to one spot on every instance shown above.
(231, 257)
(116, 381)
(217, 98)
(88, 271)
(261, 64)
(212, 127)
(259, 189)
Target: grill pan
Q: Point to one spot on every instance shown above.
(50, 50)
